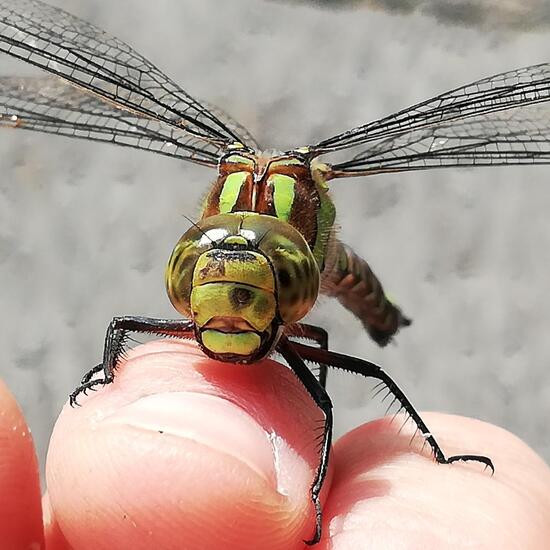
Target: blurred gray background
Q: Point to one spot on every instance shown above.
(86, 229)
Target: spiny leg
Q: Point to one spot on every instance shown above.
(115, 339)
(316, 334)
(322, 400)
(371, 370)
(88, 376)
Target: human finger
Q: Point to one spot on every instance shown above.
(55, 540)
(184, 452)
(387, 494)
(20, 508)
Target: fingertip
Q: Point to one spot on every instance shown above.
(20, 507)
(387, 492)
(182, 448)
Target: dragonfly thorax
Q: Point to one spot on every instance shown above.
(241, 277)
(282, 185)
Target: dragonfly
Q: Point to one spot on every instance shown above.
(245, 274)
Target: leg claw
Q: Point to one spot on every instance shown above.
(88, 386)
(488, 463)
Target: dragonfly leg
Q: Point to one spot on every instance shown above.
(322, 400)
(89, 375)
(115, 340)
(316, 334)
(371, 370)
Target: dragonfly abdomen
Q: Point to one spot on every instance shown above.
(349, 278)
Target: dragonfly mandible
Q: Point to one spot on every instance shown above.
(250, 269)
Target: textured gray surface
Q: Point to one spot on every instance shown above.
(519, 15)
(85, 230)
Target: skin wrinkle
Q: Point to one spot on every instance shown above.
(415, 526)
(199, 514)
(123, 416)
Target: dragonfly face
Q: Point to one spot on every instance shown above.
(241, 277)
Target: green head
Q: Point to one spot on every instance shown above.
(240, 277)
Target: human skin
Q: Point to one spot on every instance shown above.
(181, 452)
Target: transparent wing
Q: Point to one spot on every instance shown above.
(48, 104)
(87, 57)
(246, 137)
(516, 136)
(502, 119)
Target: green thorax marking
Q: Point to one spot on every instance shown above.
(239, 159)
(231, 190)
(283, 194)
(286, 186)
(326, 215)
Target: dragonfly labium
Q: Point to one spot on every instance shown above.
(250, 269)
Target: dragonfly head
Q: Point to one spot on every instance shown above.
(241, 277)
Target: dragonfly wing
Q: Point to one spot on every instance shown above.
(51, 105)
(100, 64)
(516, 136)
(498, 120)
(246, 136)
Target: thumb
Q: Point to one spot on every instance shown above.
(184, 452)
